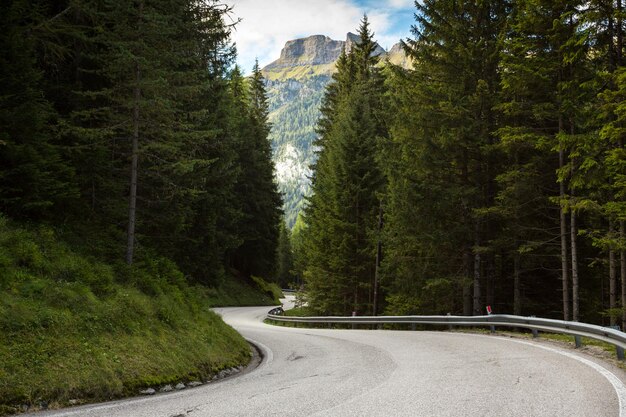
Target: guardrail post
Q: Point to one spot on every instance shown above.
(413, 326)
(535, 331)
(618, 349)
(449, 326)
(578, 341)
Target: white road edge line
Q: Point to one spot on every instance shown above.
(618, 385)
(268, 355)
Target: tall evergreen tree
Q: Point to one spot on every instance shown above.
(342, 215)
(284, 259)
(256, 187)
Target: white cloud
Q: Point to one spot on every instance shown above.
(266, 25)
(401, 4)
(381, 23)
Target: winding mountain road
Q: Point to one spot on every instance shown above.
(315, 372)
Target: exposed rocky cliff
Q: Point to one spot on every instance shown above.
(397, 56)
(314, 50)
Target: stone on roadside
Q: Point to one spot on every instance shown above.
(166, 388)
(180, 386)
(149, 391)
(194, 384)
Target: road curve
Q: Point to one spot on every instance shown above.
(315, 372)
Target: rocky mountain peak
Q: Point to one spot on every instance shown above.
(397, 56)
(396, 49)
(316, 50)
(313, 50)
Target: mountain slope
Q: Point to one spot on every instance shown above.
(295, 85)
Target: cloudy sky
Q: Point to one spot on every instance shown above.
(267, 24)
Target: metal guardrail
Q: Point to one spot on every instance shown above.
(576, 329)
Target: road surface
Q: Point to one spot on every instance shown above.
(315, 372)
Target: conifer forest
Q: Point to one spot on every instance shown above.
(492, 172)
(128, 124)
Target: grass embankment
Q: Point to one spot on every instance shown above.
(238, 292)
(73, 328)
(300, 312)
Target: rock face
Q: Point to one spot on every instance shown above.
(315, 55)
(314, 50)
(397, 56)
(295, 84)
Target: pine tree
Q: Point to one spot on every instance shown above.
(343, 210)
(256, 187)
(284, 259)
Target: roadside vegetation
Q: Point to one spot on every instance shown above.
(74, 328)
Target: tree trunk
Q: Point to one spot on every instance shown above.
(379, 254)
(467, 294)
(575, 299)
(476, 298)
(517, 293)
(563, 222)
(612, 286)
(611, 36)
(132, 206)
(356, 257)
(573, 238)
(491, 280)
(620, 33)
(622, 261)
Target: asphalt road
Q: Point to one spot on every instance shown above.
(314, 372)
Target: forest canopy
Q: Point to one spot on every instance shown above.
(491, 173)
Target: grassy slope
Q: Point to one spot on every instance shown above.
(299, 72)
(75, 328)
